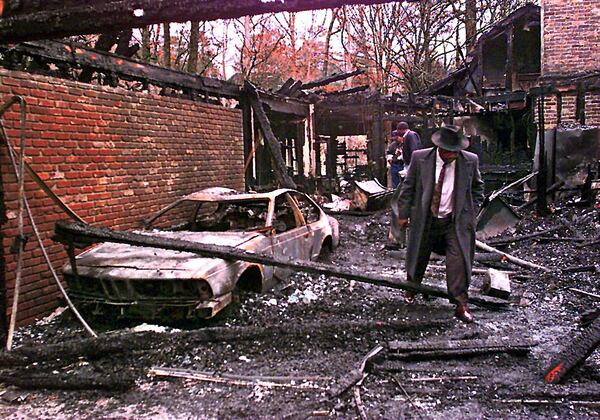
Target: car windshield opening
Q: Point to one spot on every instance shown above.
(215, 216)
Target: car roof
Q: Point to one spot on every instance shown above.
(226, 194)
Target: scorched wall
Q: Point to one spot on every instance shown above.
(113, 156)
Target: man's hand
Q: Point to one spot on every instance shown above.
(403, 222)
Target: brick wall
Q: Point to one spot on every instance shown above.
(571, 36)
(113, 156)
(568, 114)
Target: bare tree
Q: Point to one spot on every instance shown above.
(400, 44)
(192, 65)
(259, 42)
(328, 36)
(167, 45)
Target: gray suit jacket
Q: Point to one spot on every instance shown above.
(413, 199)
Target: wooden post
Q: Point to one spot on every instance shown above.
(332, 157)
(509, 59)
(300, 140)
(279, 167)
(247, 131)
(580, 104)
(379, 142)
(542, 203)
(3, 220)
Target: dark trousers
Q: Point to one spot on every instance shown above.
(395, 168)
(440, 237)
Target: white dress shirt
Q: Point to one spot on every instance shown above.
(447, 186)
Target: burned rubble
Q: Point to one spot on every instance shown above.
(299, 351)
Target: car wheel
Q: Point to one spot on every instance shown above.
(325, 253)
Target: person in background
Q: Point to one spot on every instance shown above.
(440, 196)
(394, 158)
(411, 142)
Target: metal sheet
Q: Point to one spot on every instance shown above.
(569, 152)
(371, 187)
(495, 218)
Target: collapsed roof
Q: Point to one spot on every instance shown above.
(26, 20)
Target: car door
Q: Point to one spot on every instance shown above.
(290, 237)
(312, 217)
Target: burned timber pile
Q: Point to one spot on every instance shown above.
(326, 346)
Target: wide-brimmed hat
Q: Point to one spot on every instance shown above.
(449, 137)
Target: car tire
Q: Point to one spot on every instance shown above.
(325, 252)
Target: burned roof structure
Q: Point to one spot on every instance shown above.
(33, 20)
(506, 58)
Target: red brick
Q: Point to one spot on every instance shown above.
(96, 146)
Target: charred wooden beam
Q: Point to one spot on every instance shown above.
(296, 86)
(330, 79)
(574, 354)
(127, 342)
(290, 106)
(69, 381)
(77, 55)
(552, 189)
(285, 180)
(84, 235)
(509, 240)
(34, 21)
(400, 347)
(460, 353)
(284, 89)
(348, 91)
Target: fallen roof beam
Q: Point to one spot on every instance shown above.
(279, 166)
(289, 106)
(330, 79)
(34, 21)
(127, 68)
(82, 235)
(348, 91)
(574, 354)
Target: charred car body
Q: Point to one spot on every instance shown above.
(144, 282)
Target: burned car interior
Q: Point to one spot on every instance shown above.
(239, 216)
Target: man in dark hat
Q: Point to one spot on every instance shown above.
(441, 196)
(411, 141)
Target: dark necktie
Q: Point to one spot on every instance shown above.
(437, 191)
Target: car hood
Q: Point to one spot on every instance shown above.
(112, 260)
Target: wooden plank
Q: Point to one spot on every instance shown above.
(348, 91)
(284, 89)
(434, 345)
(100, 16)
(282, 105)
(574, 354)
(109, 345)
(331, 79)
(125, 67)
(84, 235)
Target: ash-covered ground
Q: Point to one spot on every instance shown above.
(542, 308)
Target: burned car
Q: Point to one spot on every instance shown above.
(151, 283)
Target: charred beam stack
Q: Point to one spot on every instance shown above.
(32, 20)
